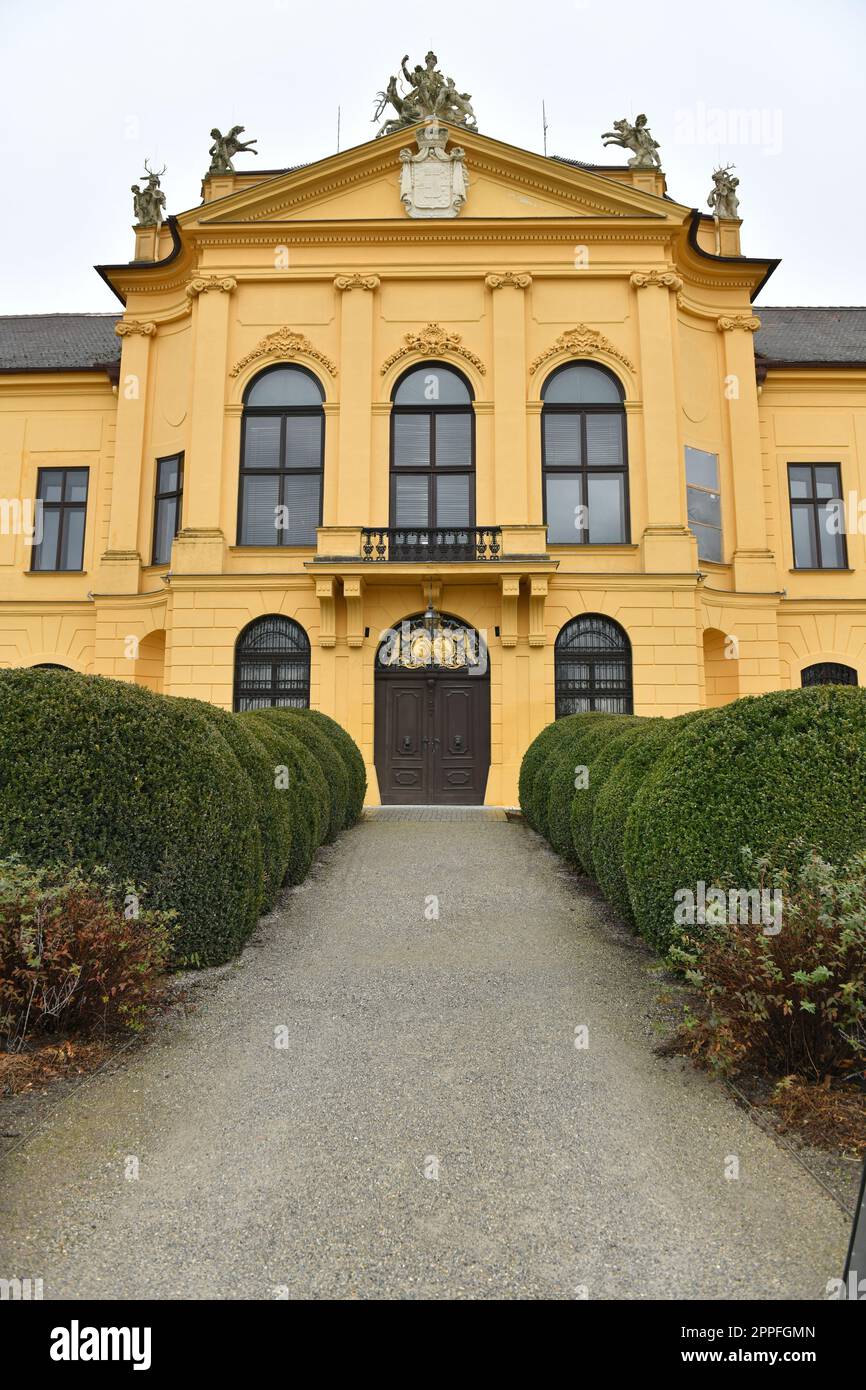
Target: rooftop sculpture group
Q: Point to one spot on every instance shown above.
(430, 97)
(149, 202)
(636, 138)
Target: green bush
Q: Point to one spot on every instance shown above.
(563, 730)
(352, 757)
(100, 772)
(273, 807)
(602, 757)
(534, 757)
(304, 785)
(613, 803)
(587, 735)
(762, 773)
(328, 755)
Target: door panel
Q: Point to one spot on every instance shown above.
(432, 740)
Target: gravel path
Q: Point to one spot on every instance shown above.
(412, 1046)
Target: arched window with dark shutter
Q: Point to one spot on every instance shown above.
(583, 453)
(592, 662)
(272, 665)
(282, 458)
(829, 673)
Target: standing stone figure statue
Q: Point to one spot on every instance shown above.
(224, 147)
(723, 200)
(149, 202)
(636, 138)
(430, 96)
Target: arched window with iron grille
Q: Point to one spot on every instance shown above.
(592, 661)
(829, 673)
(272, 665)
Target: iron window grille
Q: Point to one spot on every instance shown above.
(829, 673)
(272, 665)
(593, 667)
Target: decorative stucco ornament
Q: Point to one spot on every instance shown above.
(433, 182)
(149, 202)
(225, 147)
(430, 97)
(723, 200)
(636, 138)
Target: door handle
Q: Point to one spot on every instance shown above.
(407, 744)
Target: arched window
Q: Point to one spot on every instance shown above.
(49, 666)
(583, 455)
(282, 458)
(272, 664)
(432, 451)
(829, 673)
(592, 661)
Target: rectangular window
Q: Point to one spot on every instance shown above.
(166, 515)
(585, 476)
(817, 516)
(704, 502)
(61, 496)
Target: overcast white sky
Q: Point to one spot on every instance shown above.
(91, 88)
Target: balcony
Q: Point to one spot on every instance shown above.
(432, 544)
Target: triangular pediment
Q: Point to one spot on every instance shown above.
(504, 182)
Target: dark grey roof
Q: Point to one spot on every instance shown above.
(58, 342)
(799, 336)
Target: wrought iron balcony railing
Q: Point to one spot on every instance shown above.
(432, 543)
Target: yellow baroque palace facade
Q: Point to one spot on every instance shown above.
(443, 472)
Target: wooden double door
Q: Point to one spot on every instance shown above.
(432, 738)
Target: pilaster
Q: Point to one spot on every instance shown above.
(357, 301)
(754, 564)
(200, 545)
(120, 565)
(511, 498)
(667, 544)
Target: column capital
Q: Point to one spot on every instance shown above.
(356, 282)
(129, 327)
(750, 323)
(203, 284)
(508, 280)
(660, 279)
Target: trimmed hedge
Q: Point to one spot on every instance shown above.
(328, 755)
(579, 748)
(539, 749)
(99, 772)
(775, 773)
(614, 801)
(273, 809)
(564, 730)
(174, 795)
(603, 758)
(352, 757)
(310, 803)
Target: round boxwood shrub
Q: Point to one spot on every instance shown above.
(601, 758)
(578, 749)
(273, 809)
(775, 773)
(352, 757)
(327, 754)
(613, 804)
(100, 772)
(303, 783)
